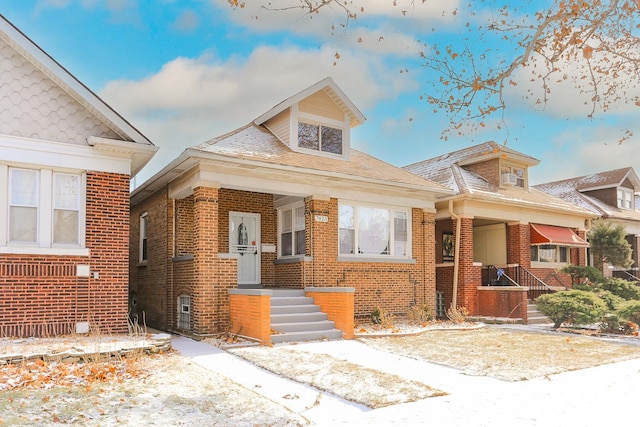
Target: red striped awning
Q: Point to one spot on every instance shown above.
(552, 235)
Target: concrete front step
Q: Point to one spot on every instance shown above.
(534, 317)
(330, 334)
(299, 317)
(322, 325)
(277, 301)
(295, 317)
(292, 309)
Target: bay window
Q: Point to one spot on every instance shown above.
(373, 231)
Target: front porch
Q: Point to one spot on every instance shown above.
(285, 315)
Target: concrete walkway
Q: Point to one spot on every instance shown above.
(590, 397)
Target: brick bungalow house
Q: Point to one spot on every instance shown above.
(283, 202)
(66, 159)
(610, 195)
(496, 223)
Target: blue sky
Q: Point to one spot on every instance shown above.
(185, 71)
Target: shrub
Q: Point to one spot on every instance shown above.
(572, 307)
(588, 274)
(419, 313)
(622, 288)
(630, 311)
(380, 316)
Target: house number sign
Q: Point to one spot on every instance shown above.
(322, 218)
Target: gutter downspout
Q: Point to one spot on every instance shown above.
(456, 256)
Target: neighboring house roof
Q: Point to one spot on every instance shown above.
(66, 110)
(447, 170)
(572, 190)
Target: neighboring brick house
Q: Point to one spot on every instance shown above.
(495, 221)
(610, 195)
(66, 159)
(281, 202)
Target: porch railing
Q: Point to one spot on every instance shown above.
(626, 275)
(515, 276)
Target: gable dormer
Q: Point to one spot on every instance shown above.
(316, 121)
(500, 165)
(615, 188)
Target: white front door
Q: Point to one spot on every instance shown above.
(244, 240)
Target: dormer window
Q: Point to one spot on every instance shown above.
(510, 175)
(322, 138)
(625, 198)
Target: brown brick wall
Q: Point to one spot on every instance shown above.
(391, 286)
(489, 170)
(519, 244)
(41, 295)
(148, 281)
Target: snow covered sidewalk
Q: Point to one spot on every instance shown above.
(588, 397)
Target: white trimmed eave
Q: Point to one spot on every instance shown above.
(194, 168)
(138, 153)
(114, 156)
(469, 206)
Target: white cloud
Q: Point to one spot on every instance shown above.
(569, 91)
(381, 28)
(189, 101)
(585, 150)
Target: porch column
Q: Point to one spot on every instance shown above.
(519, 244)
(425, 245)
(204, 295)
(321, 240)
(468, 276)
(582, 252)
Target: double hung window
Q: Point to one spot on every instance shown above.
(45, 208)
(292, 231)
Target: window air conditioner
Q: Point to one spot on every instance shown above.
(510, 179)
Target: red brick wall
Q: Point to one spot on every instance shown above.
(503, 303)
(41, 295)
(469, 276)
(489, 170)
(519, 245)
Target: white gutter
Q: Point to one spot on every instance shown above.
(456, 257)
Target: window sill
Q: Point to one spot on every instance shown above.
(292, 260)
(388, 260)
(554, 265)
(27, 250)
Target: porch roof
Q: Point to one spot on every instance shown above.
(553, 235)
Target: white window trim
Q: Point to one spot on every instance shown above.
(44, 244)
(380, 257)
(345, 126)
(281, 209)
(144, 218)
(627, 194)
(555, 263)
